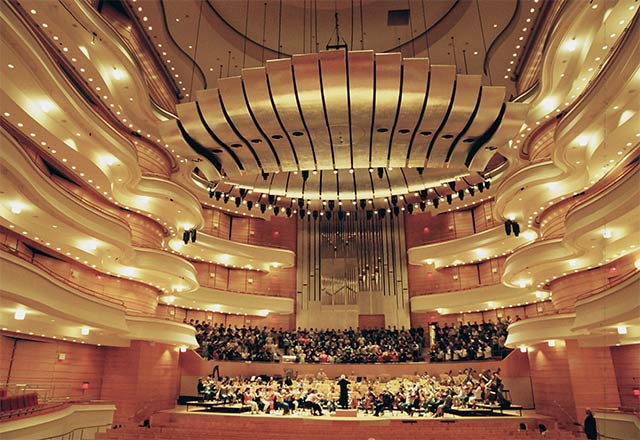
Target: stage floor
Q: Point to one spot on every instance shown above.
(512, 415)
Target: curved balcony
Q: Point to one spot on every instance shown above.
(488, 244)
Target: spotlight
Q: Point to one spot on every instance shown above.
(394, 200)
(436, 202)
(243, 192)
(315, 215)
(480, 186)
(423, 194)
(410, 208)
(363, 203)
(265, 176)
(263, 208)
(301, 213)
(396, 211)
(340, 215)
(423, 206)
(193, 236)
(380, 172)
(276, 211)
(332, 204)
(516, 229)
(288, 212)
(300, 203)
(249, 205)
(381, 213)
(218, 194)
(472, 191)
(369, 214)
(238, 201)
(305, 175)
(420, 170)
(487, 184)
(272, 199)
(211, 192)
(449, 199)
(507, 227)
(452, 185)
(328, 215)
(461, 194)
(225, 199)
(186, 236)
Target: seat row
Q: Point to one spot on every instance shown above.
(18, 402)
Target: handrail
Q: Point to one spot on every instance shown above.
(610, 285)
(30, 259)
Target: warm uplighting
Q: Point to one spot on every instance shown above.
(118, 74)
(20, 314)
(523, 349)
(183, 349)
(430, 261)
(275, 265)
(551, 343)
(582, 140)
(523, 283)
(637, 264)
(169, 299)
(571, 45)
(622, 330)
(16, 207)
(530, 235)
(84, 331)
(549, 103)
(46, 105)
(606, 233)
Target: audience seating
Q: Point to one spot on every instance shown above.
(18, 404)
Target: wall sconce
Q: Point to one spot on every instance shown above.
(455, 277)
(84, 386)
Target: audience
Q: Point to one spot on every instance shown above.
(419, 394)
(310, 345)
(467, 342)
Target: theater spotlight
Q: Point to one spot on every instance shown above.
(436, 202)
(380, 172)
(249, 205)
(300, 203)
(461, 194)
(276, 211)
(369, 214)
(243, 192)
(265, 176)
(238, 201)
(272, 199)
(507, 227)
(452, 185)
(186, 236)
(420, 170)
(472, 191)
(340, 215)
(423, 206)
(480, 186)
(516, 229)
(193, 236)
(211, 192)
(301, 213)
(396, 211)
(394, 200)
(363, 203)
(218, 194)
(449, 199)
(328, 215)
(305, 175)
(288, 212)
(263, 208)
(487, 184)
(423, 194)
(381, 213)
(315, 215)
(332, 204)
(225, 199)
(410, 208)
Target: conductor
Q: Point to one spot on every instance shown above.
(344, 393)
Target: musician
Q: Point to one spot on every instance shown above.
(343, 383)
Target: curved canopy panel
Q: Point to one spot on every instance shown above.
(341, 125)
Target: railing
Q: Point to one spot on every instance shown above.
(60, 393)
(72, 435)
(610, 284)
(30, 259)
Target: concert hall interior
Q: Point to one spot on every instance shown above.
(211, 208)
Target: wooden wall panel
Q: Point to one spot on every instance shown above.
(424, 279)
(273, 320)
(371, 321)
(568, 289)
(145, 232)
(36, 363)
(593, 377)
(152, 162)
(626, 362)
(141, 379)
(551, 381)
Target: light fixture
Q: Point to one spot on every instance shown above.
(16, 207)
(622, 329)
(84, 331)
(523, 349)
(551, 343)
(183, 349)
(606, 233)
(20, 314)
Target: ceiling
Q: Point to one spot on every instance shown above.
(400, 97)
